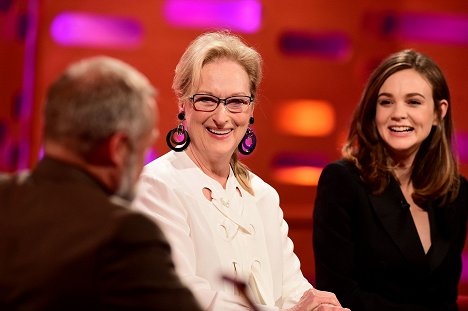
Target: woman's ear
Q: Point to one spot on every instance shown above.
(443, 106)
(181, 105)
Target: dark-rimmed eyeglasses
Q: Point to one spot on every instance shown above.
(208, 103)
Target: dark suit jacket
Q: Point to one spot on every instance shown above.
(368, 252)
(68, 244)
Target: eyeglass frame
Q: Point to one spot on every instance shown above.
(220, 100)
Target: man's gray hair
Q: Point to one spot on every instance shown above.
(95, 98)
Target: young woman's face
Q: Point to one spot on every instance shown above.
(405, 112)
(215, 135)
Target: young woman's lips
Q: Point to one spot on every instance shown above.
(400, 129)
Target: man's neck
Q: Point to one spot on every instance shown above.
(106, 174)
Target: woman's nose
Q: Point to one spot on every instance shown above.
(220, 114)
(399, 111)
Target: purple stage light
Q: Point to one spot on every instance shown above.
(464, 275)
(326, 45)
(3, 133)
(242, 16)
(289, 159)
(462, 142)
(92, 30)
(436, 28)
(424, 27)
(151, 155)
(5, 5)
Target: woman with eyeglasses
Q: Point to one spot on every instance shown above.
(223, 221)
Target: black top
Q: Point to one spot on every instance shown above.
(67, 244)
(368, 252)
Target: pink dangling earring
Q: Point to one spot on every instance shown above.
(178, 138)
(249, 141)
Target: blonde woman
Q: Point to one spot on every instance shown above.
(220, 218)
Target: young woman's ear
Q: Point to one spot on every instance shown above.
(443, 104)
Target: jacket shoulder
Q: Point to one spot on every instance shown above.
(341, 168)
(262, 188)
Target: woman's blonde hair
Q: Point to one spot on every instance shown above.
(207, 48)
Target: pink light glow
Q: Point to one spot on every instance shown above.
(92, 30)
(434, 27)
(462, 144)
(442, 28)
(333, 45)
(464, 275)
(243, 16)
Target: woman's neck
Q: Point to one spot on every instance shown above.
(403, 172)
(404, 167)
(214, 169)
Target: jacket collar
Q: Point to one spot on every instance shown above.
(61, 171)
(393, 211)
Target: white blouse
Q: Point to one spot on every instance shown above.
(235, 234)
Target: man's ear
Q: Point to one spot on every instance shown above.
(118, 148)
(111, 152)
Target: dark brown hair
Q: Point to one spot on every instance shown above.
(434, 172)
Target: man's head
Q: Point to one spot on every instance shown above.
(100, 114)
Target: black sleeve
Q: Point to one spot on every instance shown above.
(136, 271)
(334, 228)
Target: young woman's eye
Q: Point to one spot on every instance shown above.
(384, 102)
(414, 102)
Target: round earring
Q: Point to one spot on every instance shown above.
(249, 141)
(178, 138)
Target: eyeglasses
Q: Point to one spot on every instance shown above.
(208, 103)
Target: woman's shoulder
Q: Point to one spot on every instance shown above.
(165, 167)
(169, 161)
(341, 175)
(341, 168)
(463, 181)
(261, 187)
(463, 185)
